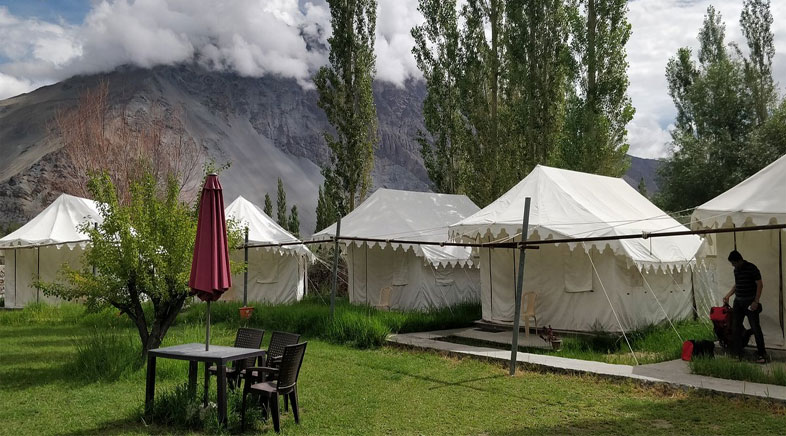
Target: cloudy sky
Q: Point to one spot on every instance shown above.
(44, 41)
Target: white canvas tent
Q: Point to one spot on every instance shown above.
(43, 245)
(572, 280)
(420, 276)
(758, 200)
(276, 274)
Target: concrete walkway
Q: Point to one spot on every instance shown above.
(675, 372)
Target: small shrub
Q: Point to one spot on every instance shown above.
(107, 355)
(178, 408)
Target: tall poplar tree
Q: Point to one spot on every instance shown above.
(268, 209)
(715, 118)
(281, 205)
(598, 107)
(345, 94)
(437, 55)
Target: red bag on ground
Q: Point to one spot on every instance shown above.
(687, 350)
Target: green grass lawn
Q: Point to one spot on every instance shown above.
(651, 344)
(346, 390)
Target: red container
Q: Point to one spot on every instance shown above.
(245, 312)
(687, 350)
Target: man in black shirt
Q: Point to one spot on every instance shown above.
(747, 291)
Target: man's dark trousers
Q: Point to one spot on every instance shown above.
(741, 336)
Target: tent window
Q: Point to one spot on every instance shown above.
(637, 280)
(265, 267)
(577, 271)
(443, 276)
(400, 271)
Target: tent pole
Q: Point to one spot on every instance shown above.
(366, 253)
(16, 279)
(693, 296)
(491, 284)
(38, 273)
(519, 284)
(245, 271)
(95, 227)
(335, 271)
(780, 282)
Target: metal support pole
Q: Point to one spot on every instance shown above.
(95, 227)
(245, 272)
(335, 271)
(38, 274)
(780, 282)
(519, 285)
(693, 296)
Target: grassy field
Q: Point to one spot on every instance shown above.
(45, 389)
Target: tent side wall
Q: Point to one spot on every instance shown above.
(22, 269)
(570, 294)
(760, 248)
(272, 277)
(414, 284)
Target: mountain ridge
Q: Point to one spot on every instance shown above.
(267, 127)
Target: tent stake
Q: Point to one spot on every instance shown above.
(519, 284)
(245, 272)
(335, 271)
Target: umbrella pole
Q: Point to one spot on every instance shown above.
(207, 332)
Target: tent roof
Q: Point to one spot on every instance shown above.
(57, 224)
(418, 216)
(570, 204)
(758, 200)
(262, 229)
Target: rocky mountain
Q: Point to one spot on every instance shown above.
(267, 127)
(647, 169)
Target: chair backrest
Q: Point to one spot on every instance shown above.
(384, 296)
(248, 338)
(290, 366)
(529, 309)
(278, 341)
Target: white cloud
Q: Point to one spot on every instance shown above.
(289, 37)
(11, 86)
(660, 27)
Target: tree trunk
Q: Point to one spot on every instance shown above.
(165, 316)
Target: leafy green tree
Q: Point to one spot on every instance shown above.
(436, 52)
(539, 63)
(281, 205)
(642, 188)
(345, 94)
(294, 222)
(715, 119)
(268, 209)
(756, 24)
(598, 107)
(141, 252)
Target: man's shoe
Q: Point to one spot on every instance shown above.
(762, 358)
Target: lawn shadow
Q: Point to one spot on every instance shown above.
(677, 416)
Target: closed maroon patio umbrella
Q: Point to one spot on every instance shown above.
(210, 273)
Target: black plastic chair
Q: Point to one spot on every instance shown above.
(285, 384)
(272, 357)
(245, 338)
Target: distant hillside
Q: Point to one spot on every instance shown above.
(266, 127)
(646, 169)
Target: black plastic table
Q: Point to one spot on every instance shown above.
(195, 353)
